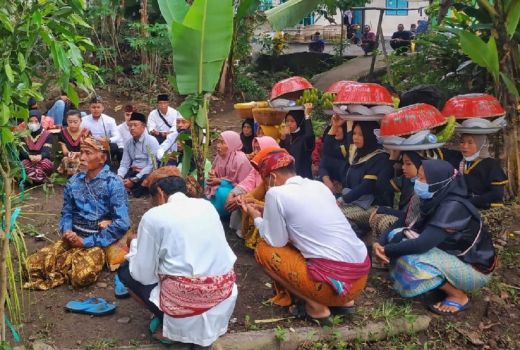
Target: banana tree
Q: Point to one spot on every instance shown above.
(290, 13)
(201, 36)
(39, 43)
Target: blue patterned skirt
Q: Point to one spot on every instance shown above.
(420, 273)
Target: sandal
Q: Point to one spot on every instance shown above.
(91, 306)
(298, 311)
(459, 307)
(346, 311)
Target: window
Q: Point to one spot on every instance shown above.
(397, 4)
(265, 5)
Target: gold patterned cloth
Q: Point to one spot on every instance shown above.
(249, 231)
(58, 263)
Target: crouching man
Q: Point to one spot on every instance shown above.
(180, 265)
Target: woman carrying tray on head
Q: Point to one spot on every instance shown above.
(298, 139)
(368, 164)
(334, 155)
(484, 178)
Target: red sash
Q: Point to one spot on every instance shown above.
(190, 296)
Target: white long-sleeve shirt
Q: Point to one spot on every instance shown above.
(168, 145)
(104, 126)
(304, 212)
(184, 237)
(155, 121)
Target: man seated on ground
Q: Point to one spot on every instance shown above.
(317, 44)
(401, 40)
(162, 120)
(94, 216)
(309, 248)
(368, 40)
(138, 156)
(181, 244)
(102, 126)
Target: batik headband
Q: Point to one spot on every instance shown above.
(96, 144)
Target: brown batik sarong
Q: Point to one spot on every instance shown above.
(58, 263)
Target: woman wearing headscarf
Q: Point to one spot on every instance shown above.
(369, 166)
(298, 139)
(248, 185)
(447, 248)
(229, 168)
(484, 178)
(334, 155)
(36, 150)
(247, 135)
(385, 218)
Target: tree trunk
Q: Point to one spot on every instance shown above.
(144, 32)
(374, 53)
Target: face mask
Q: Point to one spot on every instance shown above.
(34, 127)
(422, 190)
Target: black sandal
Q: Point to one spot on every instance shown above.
(298, 311)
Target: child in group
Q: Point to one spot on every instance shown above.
(298, 139)
(247, 135)
(369, 163)
(484, 178)
(70, 138)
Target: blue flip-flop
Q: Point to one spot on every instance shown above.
(459, 307)
(91, 306)
(120, 290)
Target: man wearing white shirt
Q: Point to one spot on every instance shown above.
(162, 120)
(308, 247)
(102, 126)
(124, 131)
(181, 266)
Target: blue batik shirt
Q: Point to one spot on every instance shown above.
(86, 204)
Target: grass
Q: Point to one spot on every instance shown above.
(102, 344)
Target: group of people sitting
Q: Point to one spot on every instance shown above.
(400, 41)
(307, 228)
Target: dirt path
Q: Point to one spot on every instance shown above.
(351, 70)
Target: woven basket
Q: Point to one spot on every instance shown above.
(268, 116)
(244, 110)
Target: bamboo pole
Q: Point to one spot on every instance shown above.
(379, 31)
(385, 54)
(5, 173)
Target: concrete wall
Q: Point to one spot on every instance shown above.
(389, 22)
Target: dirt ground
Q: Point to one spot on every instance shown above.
(492, 322)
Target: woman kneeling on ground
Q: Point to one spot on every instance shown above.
(448, 248)
(308, 247)
(230, 167)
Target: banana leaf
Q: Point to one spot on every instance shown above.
(290, 13)
(201, 42)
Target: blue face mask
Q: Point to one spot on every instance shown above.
(422, 190)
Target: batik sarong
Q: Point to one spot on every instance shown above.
(58, 263)
(290, 266)
(190, 296)
(420, 273)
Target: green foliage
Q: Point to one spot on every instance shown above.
(436, 62)
(248, 88)
(290, 13)
(280, 334)
(201, 41)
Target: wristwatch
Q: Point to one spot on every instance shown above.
(134, 179)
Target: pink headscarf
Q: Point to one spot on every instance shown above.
(234, 166)
(254, 179)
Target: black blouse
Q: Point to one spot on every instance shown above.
(485, 180)
(300, 145)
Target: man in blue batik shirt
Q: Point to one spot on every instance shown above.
(94, 217)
